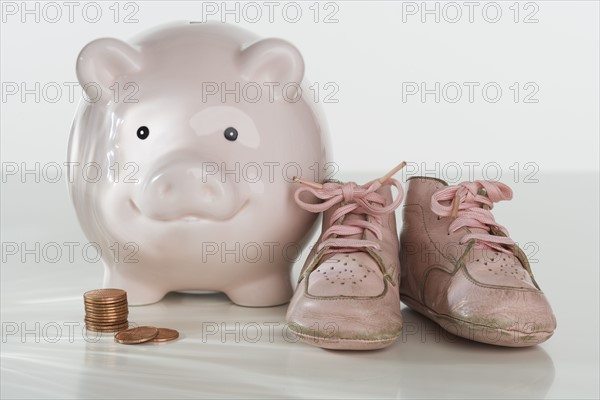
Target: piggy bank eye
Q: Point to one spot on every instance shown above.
(231, 134)
(143, 132)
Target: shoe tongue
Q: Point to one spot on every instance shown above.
(448, 203)
(479, 230)
(481, 192)
(491, 230)
(354, 217)
(349, 218)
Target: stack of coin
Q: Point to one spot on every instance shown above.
(106, 310)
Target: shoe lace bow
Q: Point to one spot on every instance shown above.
(355, 199)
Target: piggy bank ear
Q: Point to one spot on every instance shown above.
(273, 60)
(101, 63)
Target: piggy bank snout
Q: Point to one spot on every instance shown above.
(189, 190)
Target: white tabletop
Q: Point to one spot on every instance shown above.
(231, 351)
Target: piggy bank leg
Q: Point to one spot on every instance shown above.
(140, 290)
(265, 291)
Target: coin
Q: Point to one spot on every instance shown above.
(106, 315)
(108, 312)
(107, 328)
(137, 335)
(104, 296)
(105, 322)
(107, 303)
(95, 317)
(107, 309)
(106, 325)
(93, 304)
(166, 335)
(115, 306)
(107, 318)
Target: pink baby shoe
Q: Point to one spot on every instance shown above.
(347, 295)
(461, 269)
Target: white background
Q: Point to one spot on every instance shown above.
(369, 54)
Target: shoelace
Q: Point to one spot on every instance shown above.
(358, 199)
(470, 208)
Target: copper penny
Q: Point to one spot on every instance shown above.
(106, 310)
(105, 321)
(137, 335)
(120, 312)
(106, 315)
(114, 322)
(106, 306)
(98, 304)
(107, 325)
(115, 328)
(104, 296)
(93, 318)
(166, 335)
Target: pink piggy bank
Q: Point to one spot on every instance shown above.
(182, 154)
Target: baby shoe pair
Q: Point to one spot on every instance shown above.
(453, 263)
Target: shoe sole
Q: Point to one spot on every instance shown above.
(479, 332)
(344, 343)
